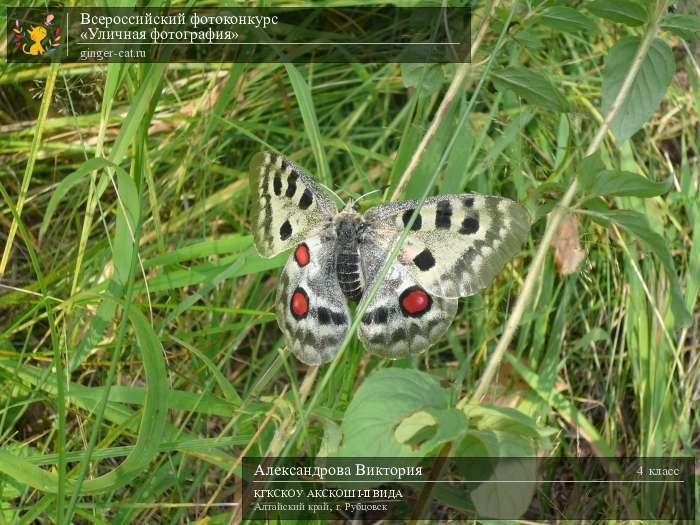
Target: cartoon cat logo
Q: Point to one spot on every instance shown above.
(36, 35)
(39, 39)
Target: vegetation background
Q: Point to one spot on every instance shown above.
(140, 359)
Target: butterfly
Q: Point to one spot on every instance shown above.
(456, 246)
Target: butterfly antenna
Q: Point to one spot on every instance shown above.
(366, 194)
(332, 192)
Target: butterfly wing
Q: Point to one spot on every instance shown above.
(458, 243)
(311, 309)
(288, 205)
(402, 318)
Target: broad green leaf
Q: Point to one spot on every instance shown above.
(566, 19)
(498, 499)
(385, 399)
(426, 78)
(648, 87)
(590, 167)
(685, 26)
(413, 424)
(529, 39)
(637, 224)
(533, 87)
(622, 184)
(450, 425)
(622, 11)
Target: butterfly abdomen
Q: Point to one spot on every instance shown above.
(347, 263)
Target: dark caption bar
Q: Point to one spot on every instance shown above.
(361, 34)
(469, 488)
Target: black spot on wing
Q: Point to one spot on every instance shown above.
(381, 315)
(306, 199)
(291, 185)
(338, 318)
(468, 202)
(470, 225)
(285, 230)
(327, 316)
(424, 260)
(407, 217)
(443, 215)
(277, 185)
(324, 315)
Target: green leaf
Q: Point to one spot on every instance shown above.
(427, 78)
(685, 26)
(450, 425)
(533, 87)
(67, 184)
(622, 184)
(637, 224)
(566, 19)
(383, 402)
(487, 417)
(126, 230)
(410, 426)
(648, 87)
(622, 11)
(502, 500)
(590, 167)
(302, 92)
(529, 39)
(223, 245)
(332, 436)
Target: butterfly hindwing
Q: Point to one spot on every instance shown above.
(311, 309)
(458, 243)
(403, 318)
(287, 206)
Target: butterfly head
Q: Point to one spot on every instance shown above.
(349, 214)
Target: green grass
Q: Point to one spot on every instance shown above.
(137, 325)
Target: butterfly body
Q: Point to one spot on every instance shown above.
(348, 231)
(456, 245)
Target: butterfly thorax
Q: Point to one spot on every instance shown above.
(348, 225)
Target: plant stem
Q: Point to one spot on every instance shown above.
(455, 87)
(558, 214)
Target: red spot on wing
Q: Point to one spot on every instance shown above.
(415, 301)
(299, 305)
(302, 255)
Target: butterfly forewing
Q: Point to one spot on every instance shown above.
(288, 205)
(457, 243)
